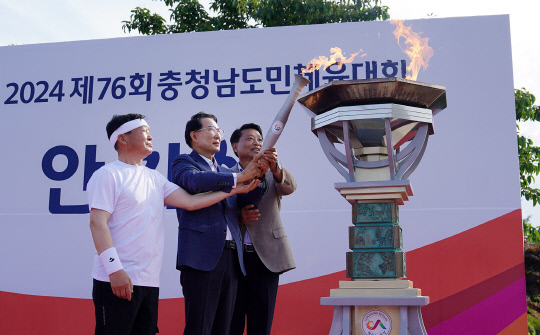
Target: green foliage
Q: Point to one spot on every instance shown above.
(532, 278)
(533, 324)
(143, 20)
(190, 15)
(525, 108)
(531, 233)
(271, 13)
(232, 14)
(529, 155)
(532, 268)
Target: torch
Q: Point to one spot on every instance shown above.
(283, 115)
(383, 124)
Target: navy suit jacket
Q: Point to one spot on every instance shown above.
(201, 233)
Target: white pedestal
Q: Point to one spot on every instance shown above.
(397, 302)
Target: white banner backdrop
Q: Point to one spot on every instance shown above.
(55, 100)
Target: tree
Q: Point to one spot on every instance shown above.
(190, 15)
(531, 233)
(529, 158)
(529, 155)
(532, 278)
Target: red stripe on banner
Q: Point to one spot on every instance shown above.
(22, 314)
(463, 275)
(171, 318)
(298, 311)
(298, 306)
(456, 263)
(451, 306)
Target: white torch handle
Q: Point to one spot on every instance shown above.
(283, 115)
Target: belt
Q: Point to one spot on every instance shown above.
(230, 244)
(249, 248)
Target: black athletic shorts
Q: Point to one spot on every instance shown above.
(117, 316)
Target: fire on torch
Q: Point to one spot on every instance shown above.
(277, 126)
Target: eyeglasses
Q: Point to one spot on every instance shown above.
(214, 130)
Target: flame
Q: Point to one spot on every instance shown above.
(419, 52)
(336, 57)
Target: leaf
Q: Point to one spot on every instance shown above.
(190, 15)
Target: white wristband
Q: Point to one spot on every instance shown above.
(111, 262)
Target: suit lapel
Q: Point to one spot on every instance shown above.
(201, 163)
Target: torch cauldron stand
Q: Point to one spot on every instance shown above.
(383, 125)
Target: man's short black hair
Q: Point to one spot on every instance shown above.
(118, 120)
(195, 124)
(235, 136)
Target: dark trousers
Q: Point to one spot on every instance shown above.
(256, 298)
(117, 316)
(209, 296)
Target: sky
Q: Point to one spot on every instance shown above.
(39, 21)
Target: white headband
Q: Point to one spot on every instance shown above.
(128, 126)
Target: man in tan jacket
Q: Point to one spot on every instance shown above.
(267, 252)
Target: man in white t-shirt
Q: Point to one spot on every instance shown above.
(127, 201)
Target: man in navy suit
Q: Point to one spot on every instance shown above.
(209, 240)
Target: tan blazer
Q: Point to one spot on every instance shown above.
(268, 234)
